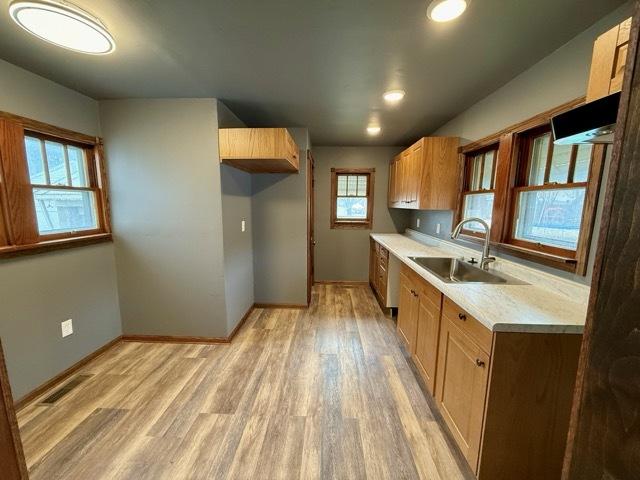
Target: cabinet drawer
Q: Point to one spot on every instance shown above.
(469, 325)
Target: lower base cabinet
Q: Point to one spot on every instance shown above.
(505, 396)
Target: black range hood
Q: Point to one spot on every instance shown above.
(593, 122)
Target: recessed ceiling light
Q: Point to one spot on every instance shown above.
(393, 96)
(64, 25)
(446, 10)
(374, 130)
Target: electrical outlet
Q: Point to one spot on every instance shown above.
(417, 223)
(437, 228)
(243, 226)
(67, 327)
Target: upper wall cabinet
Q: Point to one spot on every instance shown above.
(259, 150)
(426, 175)
(608, 62)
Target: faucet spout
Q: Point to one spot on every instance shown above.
(486, 258)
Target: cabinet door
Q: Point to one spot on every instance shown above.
(415, 175)
(462, 387)
(428, 334)
(407, 312)
(391, 194)
(608, 61)
(405, 166)
(372, 262)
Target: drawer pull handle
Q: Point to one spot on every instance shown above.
(479, 362)
(462, 316)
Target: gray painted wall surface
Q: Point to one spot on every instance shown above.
(279, 212)
(40, 291)
(344, 254)
(167, 215)
(238, 245)
(558, 78)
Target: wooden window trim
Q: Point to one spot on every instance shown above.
(365, 224)
(18, 227)
(510, 145)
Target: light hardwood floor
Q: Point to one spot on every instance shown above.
(324, 392)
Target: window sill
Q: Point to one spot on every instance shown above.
(51, 245)
(351, 225)
(554, 261)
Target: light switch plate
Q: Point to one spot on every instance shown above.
(437, 228)
(67, 328)
(417, 223)
(244, 226)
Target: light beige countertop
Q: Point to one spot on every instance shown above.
(548, 304)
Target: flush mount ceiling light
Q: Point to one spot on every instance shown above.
(64, 25)
(393, 96)
(446, 10)
(374, 130)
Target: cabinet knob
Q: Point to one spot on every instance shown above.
(479, 362)
(462, 316)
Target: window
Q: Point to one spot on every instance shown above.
(52, 187)
(550, 194)
(351, 198)
(539, 198)
(479, 188)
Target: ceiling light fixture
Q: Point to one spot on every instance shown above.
(64, 25)
(374, 130)
(446, 10)
(393, 96)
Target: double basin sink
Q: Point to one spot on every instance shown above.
(454, 270)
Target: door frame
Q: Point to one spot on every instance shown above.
(310, 225)
(11, 452)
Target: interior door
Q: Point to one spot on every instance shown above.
(310, 224)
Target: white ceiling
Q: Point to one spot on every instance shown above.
(322, 64)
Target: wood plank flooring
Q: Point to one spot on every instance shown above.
(318, 393)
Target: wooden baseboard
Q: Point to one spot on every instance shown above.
(280, 305)
(241, 322)
(32, 395)
(345, 283)
(173, 339)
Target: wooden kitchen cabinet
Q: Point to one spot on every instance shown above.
(409, 304)
(462, 386)
(379, 272)
(608, 61)
(425, 176)
(493, 389)
(259, 150)
(428, 333)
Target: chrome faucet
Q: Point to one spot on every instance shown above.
(486, 258)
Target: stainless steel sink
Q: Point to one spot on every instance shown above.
(453, 270)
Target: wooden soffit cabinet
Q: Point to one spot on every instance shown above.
(608, 61)
(259, 150)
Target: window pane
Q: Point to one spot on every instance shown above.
(57, 165)
(477, 205)
(538, 162)
(77, 167)
(351, 208)
(550, 217)
(583, 161)
(352, 185)
(64, 210)
(362, 185)
(35, 161)
(560, 161)
(476, 173)
(488, 170)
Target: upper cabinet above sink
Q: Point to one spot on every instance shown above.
(259, 150)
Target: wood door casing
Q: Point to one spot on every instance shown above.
(463, 372)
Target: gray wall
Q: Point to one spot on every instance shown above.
(238, 245)
(279, 210)
(344, 254)
(40, 291)
(558, 78)
(167, 215)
